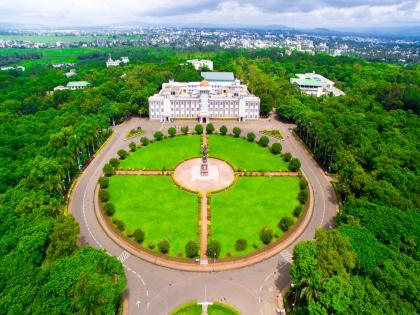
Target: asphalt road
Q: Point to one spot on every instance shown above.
(157, 290)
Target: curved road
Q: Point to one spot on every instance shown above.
(157, 290)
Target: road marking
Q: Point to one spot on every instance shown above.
(138, 304)
(287, 255)
(124, 256)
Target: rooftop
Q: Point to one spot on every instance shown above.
(308, 82)
(218, 76)
(78, 83)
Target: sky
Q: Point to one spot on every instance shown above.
(306, 14)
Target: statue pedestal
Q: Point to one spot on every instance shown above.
(204, 169)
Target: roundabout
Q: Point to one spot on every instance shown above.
(157, 288)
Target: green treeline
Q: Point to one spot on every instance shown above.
(368, 138)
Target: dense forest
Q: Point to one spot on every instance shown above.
(369, 140)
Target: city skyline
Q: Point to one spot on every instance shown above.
(303, 14)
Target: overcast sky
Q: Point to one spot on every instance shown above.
(338, 14)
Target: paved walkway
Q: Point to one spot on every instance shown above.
(268, 174)
(204, 232)
(142, 172)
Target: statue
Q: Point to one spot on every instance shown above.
(204, 167)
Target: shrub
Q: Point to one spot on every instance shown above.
(138, 236)
(213, 249)
(198, 129)
(276, 148)
(241, 244)
(303, 183)
(158, 135)
(119, 224)
(109, 209)
(163, 246)
(104, 195)
(223, 130)
(172, 131)
(264, 141)
(132, 146)
(103, 182)
(287, 157)
(303, 196)
(108, 170)
(184, 129)
(191, 249)
(114, 162)
(210, 129)
(266, 235)
(294, 165)
(236, 131)
(297, 211)
(251, 136)
(122, 154)
(151, 245)
(285, 223)
(144, 141)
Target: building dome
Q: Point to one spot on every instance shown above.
(204, 83)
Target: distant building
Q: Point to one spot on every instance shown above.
(315, 84)
(71, 73)
(73, 85)
(218, 96)
(62, 65)
(115, 63)
(200, 63)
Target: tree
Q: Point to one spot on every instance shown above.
(287, 157)
(297, 210)
(198, 129)
(251, 136)
(191, 249)
(209, 129)
(103, 182)
(158, 135)
(303, 196)
(236, 131)
(241, 244)
(109, 209)
(63, 239)
(172, 131)
(122, 154)
(264, 141)
(144, 141)
(132, 146)
(276, 148)
(184, 130)
(108, 170)
(303, 183)
(114, 162)
(213, 249)
(104, 195)
(266, 235)
(119, 224)
(294, 165)
(223, 130)
(285, 223)
(163, 246)
(138, 235)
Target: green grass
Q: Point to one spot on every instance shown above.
(245, 155)
(166, 153)
(191, 308)
(252, 203)
(157, 206)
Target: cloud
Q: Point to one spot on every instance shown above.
(295, 13)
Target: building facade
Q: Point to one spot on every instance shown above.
(316, 84)
(200, 63)
(218, 96)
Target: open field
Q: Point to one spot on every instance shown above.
(251, 204)
(164, 154)
(158, 207)
(245, 155)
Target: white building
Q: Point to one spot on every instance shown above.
(316, 84)
(218, 96)
(200, 63)
(73, 85)
(71, 73)
(117, 62)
